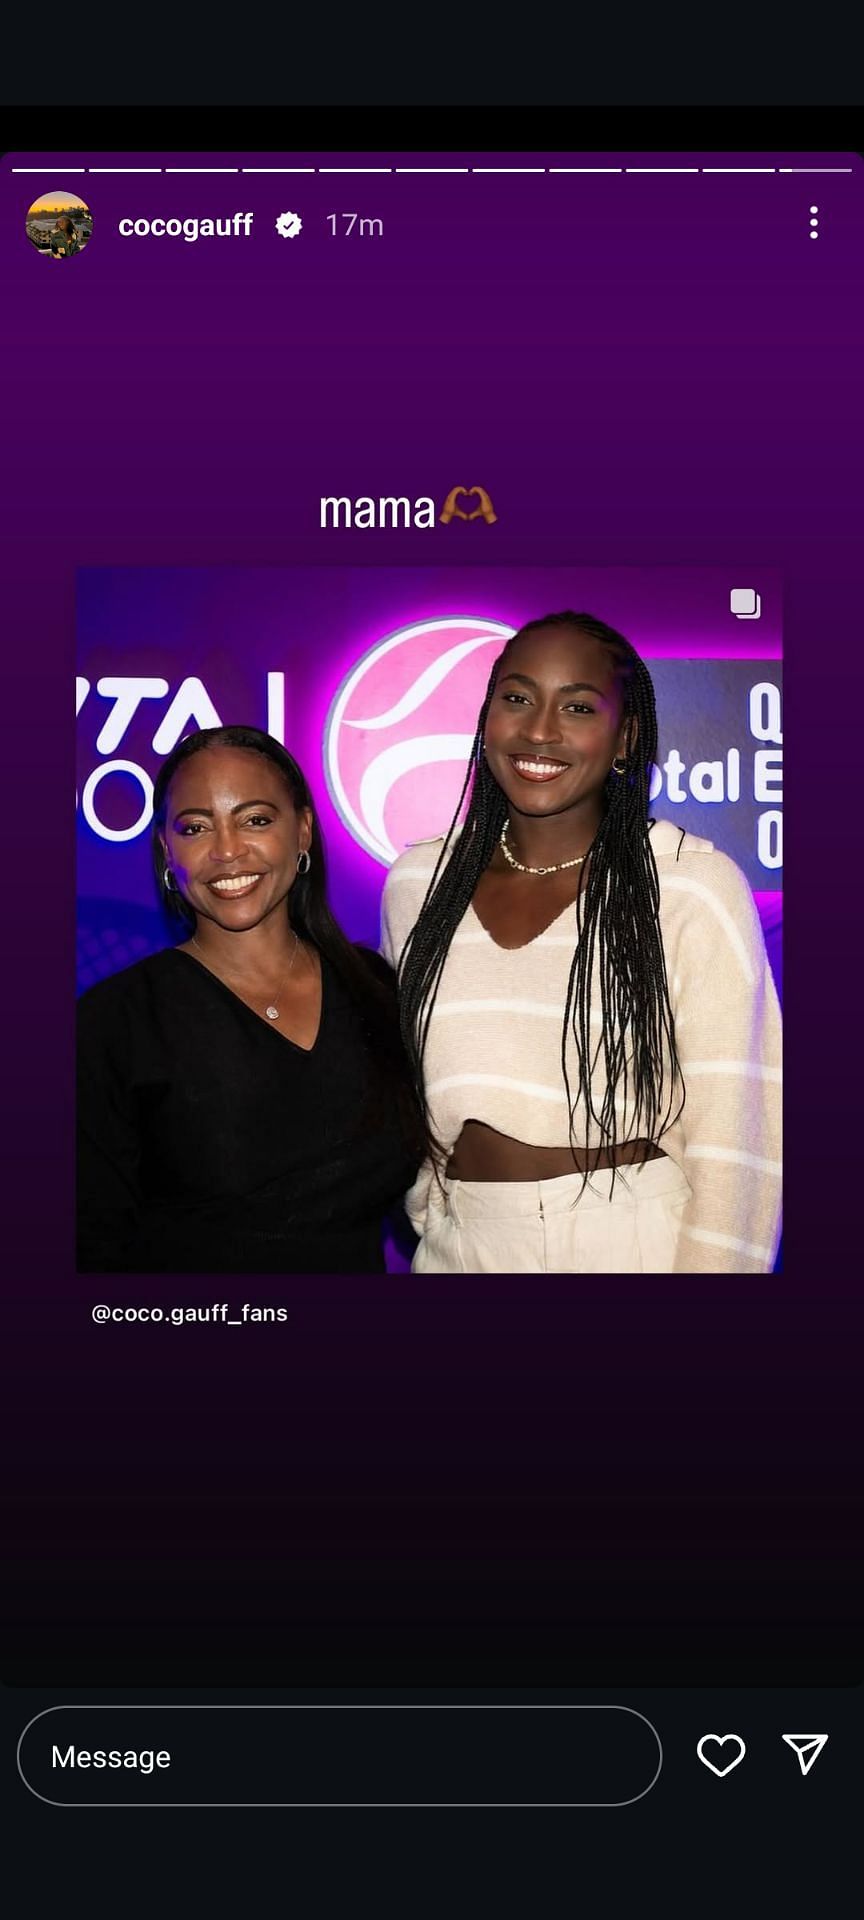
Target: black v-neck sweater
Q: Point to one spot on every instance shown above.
(209, 1143)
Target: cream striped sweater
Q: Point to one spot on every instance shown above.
(494, 1047)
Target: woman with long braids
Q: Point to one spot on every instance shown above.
(245, 1105)
(585, 995)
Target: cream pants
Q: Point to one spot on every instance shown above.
(535, 1227)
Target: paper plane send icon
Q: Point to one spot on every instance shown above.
(808, 1747)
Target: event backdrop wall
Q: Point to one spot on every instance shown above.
(373, 678)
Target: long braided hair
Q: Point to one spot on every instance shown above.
(619, 942)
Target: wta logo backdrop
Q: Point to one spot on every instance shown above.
(374, 678)
(400, 730)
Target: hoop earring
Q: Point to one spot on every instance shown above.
(168, 881)
(615, 768)
(304, 861)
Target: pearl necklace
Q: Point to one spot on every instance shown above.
(517, 864)
(272, 1011)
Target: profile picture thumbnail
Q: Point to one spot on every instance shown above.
(59, 224)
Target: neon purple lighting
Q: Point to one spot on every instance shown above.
(374, 677)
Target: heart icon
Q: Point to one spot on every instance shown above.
(451, 511)
(717, 1741)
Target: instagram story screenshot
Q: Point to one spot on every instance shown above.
(432, 1336)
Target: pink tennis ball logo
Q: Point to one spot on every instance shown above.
(400, 729)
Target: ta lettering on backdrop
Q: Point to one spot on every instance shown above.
(374, 677)
(189, 707)
(686, 783)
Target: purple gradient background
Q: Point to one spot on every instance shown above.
(452, 1480)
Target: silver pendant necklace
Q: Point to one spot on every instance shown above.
(271, 1011)
(518, 866)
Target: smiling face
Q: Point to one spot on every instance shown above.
(232, 835)
(554, 724)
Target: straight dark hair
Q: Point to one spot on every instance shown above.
(618, 926)
(362, 972)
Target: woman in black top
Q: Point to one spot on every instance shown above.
(243, 1097)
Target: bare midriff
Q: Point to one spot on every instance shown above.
(482, 1154)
